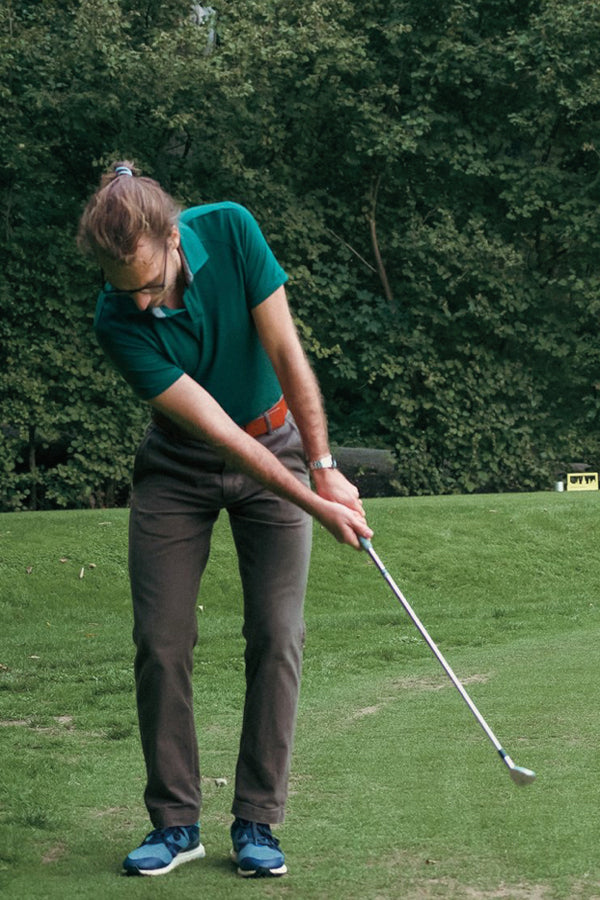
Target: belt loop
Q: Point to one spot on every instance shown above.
(269, 421)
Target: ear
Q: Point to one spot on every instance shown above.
(174, 238)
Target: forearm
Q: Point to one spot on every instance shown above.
(248, 455)
(196, 412)
(303, 396)
(279, 337)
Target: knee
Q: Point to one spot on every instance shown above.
(164, 644)
(275, 638)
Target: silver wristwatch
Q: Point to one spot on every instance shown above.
(325, 462)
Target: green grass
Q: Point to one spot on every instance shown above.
(395, 790)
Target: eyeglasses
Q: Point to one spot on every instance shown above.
(153, 289)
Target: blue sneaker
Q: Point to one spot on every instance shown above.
(255, 851)
(163, 849)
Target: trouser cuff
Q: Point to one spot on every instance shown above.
(272, 816)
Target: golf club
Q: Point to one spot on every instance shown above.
(518, 774)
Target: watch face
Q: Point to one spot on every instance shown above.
(326, 462)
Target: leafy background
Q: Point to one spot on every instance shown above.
(428, 174)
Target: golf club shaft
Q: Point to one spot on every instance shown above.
(446, 667)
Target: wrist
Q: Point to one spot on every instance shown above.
(322, 462)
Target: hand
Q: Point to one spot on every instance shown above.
(345, 524)
(343, 515)
(330, 484)
(350, 520)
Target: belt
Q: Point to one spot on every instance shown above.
(266, 423)
(269, 421)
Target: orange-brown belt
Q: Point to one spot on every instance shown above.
(270, 420)
(266, 423)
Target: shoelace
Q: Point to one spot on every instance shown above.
(168, 836)
(257, 833)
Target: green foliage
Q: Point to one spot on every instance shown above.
(427, 173)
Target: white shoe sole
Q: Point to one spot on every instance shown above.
(257, 873)
(186, 856)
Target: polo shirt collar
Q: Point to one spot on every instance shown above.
(194, 251)
(193, 256)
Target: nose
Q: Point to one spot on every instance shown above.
(142, 300)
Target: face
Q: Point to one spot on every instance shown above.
(150, 277)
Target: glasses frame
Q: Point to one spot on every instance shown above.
(152, 289)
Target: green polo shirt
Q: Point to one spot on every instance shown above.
(230, 269)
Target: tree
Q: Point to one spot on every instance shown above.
(430, 172)
(81, 84)
(427, 173)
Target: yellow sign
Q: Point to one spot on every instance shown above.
(582, 481)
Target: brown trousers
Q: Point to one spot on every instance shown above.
(180, 486)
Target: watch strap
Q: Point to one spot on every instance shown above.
(325, 462)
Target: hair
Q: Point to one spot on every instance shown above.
(124, 209)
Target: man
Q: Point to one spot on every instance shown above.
(193, 313)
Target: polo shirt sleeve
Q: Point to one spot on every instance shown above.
(263, 274)
(135, 356)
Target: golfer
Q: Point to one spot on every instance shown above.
(193, 314)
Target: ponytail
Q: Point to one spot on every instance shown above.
(125, 208)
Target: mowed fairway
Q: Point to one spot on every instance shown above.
(395, 790)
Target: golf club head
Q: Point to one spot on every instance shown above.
(520, 775)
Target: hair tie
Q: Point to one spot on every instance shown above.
(123, 170)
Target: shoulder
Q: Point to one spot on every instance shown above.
(102, 315)
(215, 215)
(109, 312)
(224, 228)
(119, 322)
(226, 221)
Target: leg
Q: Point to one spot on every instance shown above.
(273, 539)
(169, 546)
